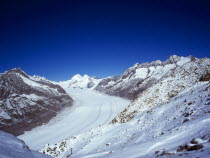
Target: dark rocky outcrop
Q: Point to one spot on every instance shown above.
(205, 77)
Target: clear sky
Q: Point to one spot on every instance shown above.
(59, 38)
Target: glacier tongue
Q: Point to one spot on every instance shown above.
(90, 110)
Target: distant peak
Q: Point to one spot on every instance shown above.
(192, 58)
(95, 77)
(86, 76)
(134, 66)
(39, 77)
(17, 70)
(76, 76)
(156, 62)
(174, 57)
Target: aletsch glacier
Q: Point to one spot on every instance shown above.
(165, 111)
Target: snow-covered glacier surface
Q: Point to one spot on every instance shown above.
(90, 110)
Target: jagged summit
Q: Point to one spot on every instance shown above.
(38, 78)
(26, 101)
(17, 70)
(173, 59)
(140, 77)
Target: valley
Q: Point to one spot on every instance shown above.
(90, 110)
(157, 109)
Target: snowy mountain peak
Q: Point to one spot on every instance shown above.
(174, 57)
(78, 81)
(77, 76)
(86, 76)
(38, 78)
(135, 65)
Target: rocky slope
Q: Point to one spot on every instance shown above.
(26, 101)
(12, 147)
(140, 77)
(78, 81)
(171, 83)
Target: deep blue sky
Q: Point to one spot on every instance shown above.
(58, 39)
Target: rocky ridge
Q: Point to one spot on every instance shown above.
(140, 77)
(26, 101)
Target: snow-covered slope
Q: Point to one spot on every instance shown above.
(179, 128)
(90, 109)
(171, 84)
(79, 81)
(27, 101)
(11, 147)
(140, 77)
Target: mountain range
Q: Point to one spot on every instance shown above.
(166, 100)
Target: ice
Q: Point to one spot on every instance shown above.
(90, 110)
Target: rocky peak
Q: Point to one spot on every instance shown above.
(174, 58)
(140, 77)
(23, 97)
(18, 71)
(39, 78)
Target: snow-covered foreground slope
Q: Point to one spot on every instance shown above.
(90, 110)
(179, 128)
(11, 147)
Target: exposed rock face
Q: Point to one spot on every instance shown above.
(26, 101)
(164, 87)
(140, 77)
